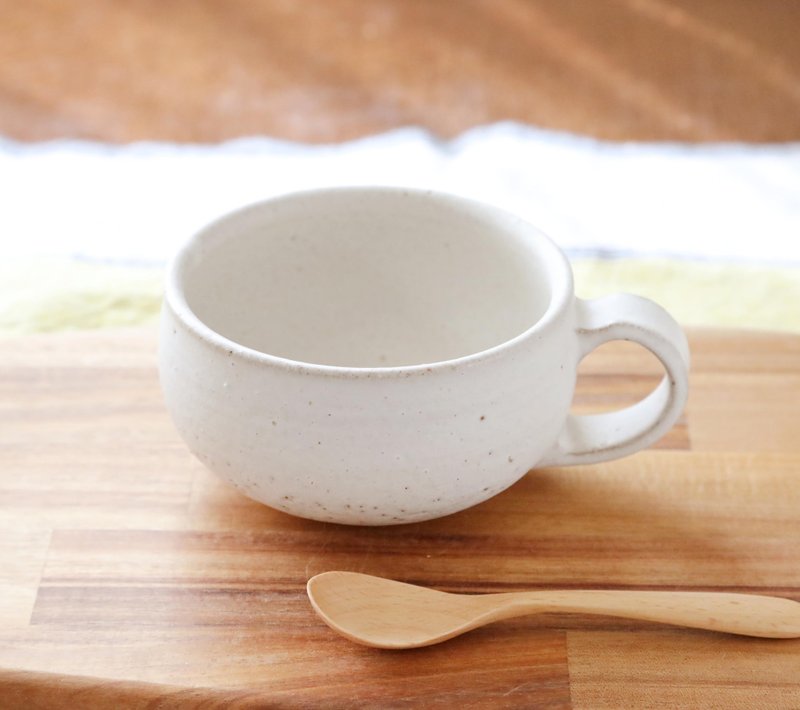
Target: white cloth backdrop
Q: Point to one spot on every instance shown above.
(137, 203)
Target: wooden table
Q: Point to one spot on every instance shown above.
(322, 70)
(129, 574)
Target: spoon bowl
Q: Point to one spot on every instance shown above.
(385, 613)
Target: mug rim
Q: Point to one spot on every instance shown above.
(560, 287)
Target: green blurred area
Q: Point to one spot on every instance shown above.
(50, 295)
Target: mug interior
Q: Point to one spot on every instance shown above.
(367, 278)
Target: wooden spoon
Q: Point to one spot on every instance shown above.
(388, 614)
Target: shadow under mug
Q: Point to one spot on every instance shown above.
(378, 355)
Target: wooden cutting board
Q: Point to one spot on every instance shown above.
(129, 575)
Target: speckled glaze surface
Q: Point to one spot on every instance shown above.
(380, 356)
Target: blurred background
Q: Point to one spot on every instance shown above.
(655, 140)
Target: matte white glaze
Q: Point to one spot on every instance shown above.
(379, 356)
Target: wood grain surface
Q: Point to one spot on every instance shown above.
(323, 70)
(130, 576)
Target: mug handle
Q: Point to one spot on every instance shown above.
(600, 437)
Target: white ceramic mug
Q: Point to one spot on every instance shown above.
(378, 356)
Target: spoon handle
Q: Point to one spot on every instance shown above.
(745, 614)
